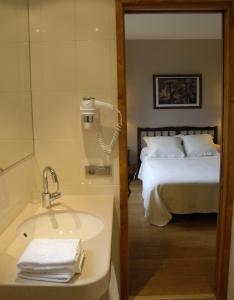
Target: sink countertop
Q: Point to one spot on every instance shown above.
(95, 274)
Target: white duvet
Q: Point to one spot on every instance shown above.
(186, 185)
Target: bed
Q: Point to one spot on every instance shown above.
(178, 186)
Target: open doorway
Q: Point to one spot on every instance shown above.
(225, 209)
(174, 81)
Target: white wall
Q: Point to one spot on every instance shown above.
(73, 52)
(16, 190)
(73, 55)
(145, 58)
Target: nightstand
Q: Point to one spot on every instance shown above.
(132, 172)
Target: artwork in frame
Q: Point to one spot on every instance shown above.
(177, 91)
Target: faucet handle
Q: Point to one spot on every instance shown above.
(55, 195)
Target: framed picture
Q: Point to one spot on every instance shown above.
(177, 91)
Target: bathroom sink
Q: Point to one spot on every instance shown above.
(89, 217)
(61, 224)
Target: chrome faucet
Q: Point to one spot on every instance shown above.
(48, 197)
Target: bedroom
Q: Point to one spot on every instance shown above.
(186, 245)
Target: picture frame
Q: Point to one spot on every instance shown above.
(177, 91)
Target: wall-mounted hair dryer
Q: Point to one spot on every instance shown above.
(89, 112)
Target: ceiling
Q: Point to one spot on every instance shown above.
(148, 26)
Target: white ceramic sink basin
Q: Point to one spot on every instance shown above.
(89, 217)
(61, 224)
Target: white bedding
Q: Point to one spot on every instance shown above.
(186, 185)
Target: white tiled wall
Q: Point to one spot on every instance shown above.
(73, 55)
(16, 187)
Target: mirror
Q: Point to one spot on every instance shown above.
(16, 131)
(171, 233)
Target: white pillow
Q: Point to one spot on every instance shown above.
(144, 153)
(164, 146)
(199, 145)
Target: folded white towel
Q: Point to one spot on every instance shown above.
(55, 274)
(44, 254)
(64, 277)
(54, 260)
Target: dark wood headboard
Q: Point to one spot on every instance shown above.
(170, 131)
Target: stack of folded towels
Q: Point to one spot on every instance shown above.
(55, 260)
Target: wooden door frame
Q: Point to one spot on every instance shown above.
(227, 168)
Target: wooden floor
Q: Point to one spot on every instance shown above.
(178, 259)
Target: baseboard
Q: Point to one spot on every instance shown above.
(175, 297)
